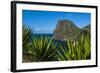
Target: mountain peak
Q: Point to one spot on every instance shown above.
(65, 23)
(65, 30)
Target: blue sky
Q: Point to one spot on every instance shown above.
(45, 21)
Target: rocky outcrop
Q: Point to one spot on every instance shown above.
(84, 31)
(65, 30)
(87, 28)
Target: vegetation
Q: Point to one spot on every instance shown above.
(26, 36)
(75, 50)
(43, 48)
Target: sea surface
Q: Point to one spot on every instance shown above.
(44, 35)
(59, 42)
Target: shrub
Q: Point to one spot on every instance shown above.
(42, 49)
(26, 37)
(75, 50)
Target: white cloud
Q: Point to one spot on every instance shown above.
(37, 29)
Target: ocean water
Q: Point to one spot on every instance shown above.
(44, 35)
(59, 42)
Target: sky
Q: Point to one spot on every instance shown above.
(46, 21)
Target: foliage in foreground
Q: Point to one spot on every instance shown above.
(75, 50)
(42, 49)
(26, 36)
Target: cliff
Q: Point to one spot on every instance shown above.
(67, 30)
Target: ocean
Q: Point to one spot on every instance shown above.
(59, 42)
(44, 35)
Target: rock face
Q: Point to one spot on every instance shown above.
(65, 30)
(87, 28)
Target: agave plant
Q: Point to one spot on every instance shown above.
(26, 36)
(75, 50)
(42, 49)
